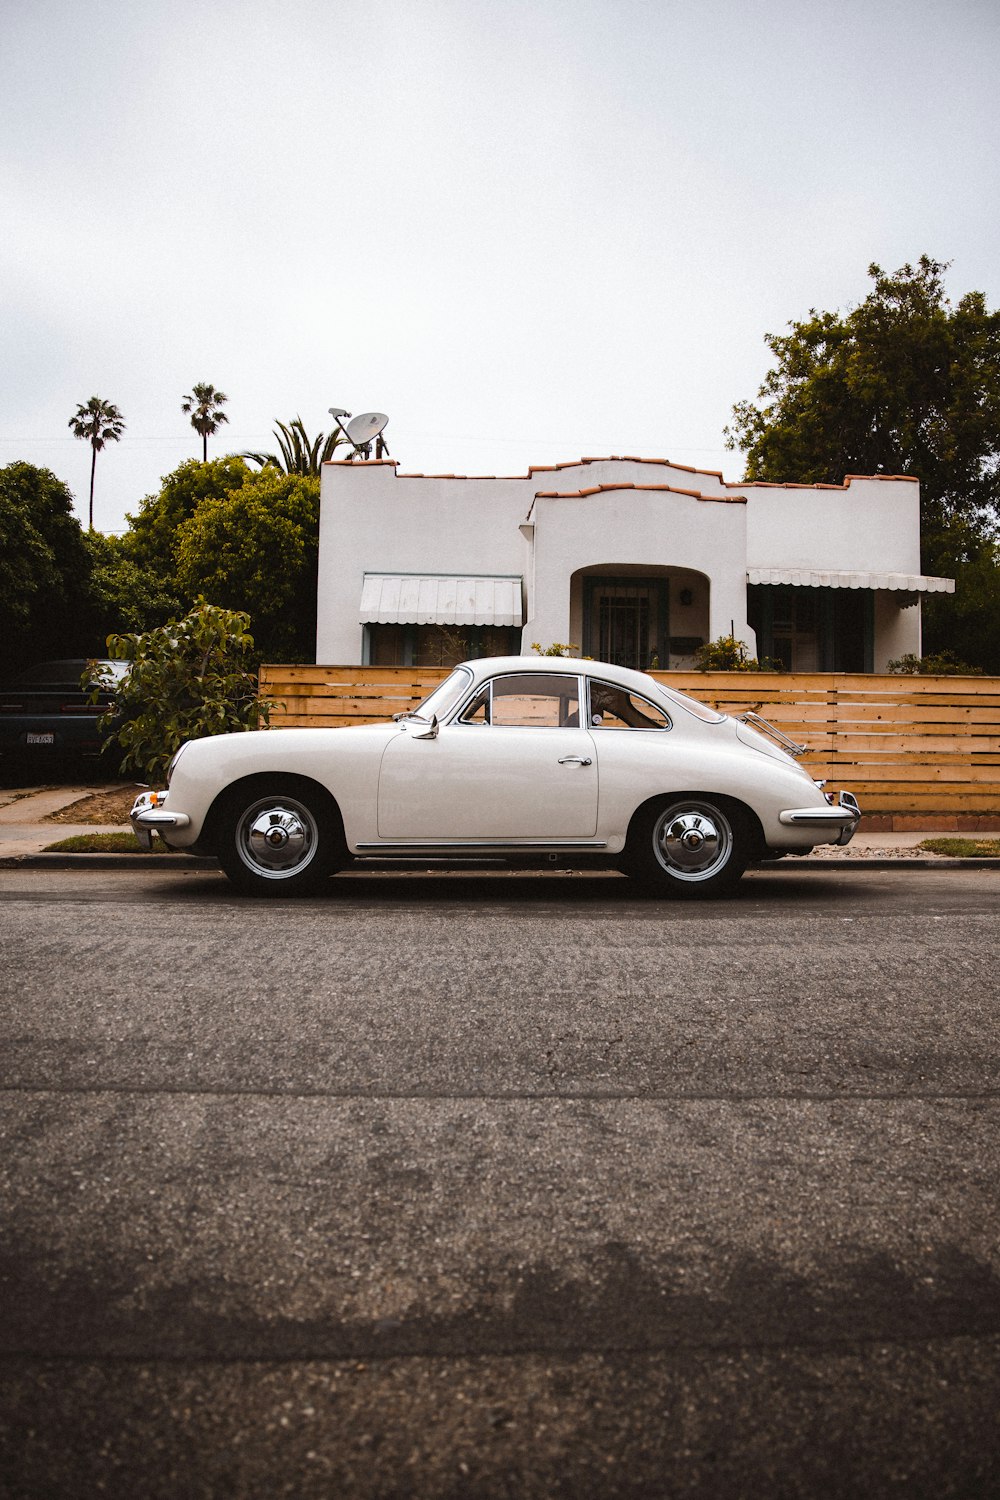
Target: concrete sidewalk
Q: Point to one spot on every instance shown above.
(24, 835)
(23, 810)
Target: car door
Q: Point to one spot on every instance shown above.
(516, 765)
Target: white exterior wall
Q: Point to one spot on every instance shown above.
(374, 520)
(872, 526)
(897, 631)
(628, 527)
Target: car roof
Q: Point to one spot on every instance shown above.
(66, 670)
(491, 666)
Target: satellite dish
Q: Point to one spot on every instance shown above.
(364, 429)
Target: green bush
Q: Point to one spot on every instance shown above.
(940, 664)
(557, 648)
(727, 654)
(188, 679)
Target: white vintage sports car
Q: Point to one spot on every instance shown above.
(530, 759)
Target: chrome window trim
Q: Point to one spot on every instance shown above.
(459, 713)
(448, 716)
(628, 728)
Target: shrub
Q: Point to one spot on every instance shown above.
(727, 654)
(557, 648)
(188, 679)
(940, 664)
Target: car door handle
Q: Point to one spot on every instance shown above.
(575, 760)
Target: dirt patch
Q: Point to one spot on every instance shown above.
(110, 806)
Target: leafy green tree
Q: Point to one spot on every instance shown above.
(256, 549)
(123, 594)
(904, 383)
(968, 621)
(153, 536)
(205, 408)
(190, 678)
(44, 569)
(97, 422)
(298, 454)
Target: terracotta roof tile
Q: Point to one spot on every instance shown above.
(360, 463)
(774, 484)
(670, 489)
(576, 463)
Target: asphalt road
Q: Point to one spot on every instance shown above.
(500, 1186)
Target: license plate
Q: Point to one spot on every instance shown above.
(40, 739)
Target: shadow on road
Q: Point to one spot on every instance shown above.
(528, 889)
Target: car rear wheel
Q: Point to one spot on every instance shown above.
(279, 840)
(688, 847)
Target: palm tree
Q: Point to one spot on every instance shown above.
(99, 422)
(205, 405)
(298, 454)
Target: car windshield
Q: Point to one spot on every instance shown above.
(445, 695)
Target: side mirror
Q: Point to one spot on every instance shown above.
(423, 729)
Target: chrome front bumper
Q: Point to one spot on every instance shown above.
(843, 815)
(150, 813)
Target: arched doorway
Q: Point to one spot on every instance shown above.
(641, 617)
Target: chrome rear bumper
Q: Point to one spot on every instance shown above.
(843, 815)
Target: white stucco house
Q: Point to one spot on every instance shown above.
(632, 560)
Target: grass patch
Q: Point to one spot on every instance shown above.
(104, 843)
(964, 848)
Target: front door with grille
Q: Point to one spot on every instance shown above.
(625, 621)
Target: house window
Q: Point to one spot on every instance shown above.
(813, 629)
(437, 645)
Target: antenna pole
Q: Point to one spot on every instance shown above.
(336, 414)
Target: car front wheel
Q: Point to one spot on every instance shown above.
(688, 847)
(280, 840)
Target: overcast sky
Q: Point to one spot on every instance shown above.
(529, 231)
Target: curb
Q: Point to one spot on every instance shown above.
(107, 862)
(917, 862)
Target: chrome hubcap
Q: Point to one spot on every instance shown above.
(692, 841)
(276, 838)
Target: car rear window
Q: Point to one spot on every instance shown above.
(692, 706)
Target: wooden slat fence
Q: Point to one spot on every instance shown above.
(914, 750)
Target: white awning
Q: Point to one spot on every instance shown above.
(906, 583)
(419, 599)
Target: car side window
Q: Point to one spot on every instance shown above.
(527, 700)
(614, 707)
